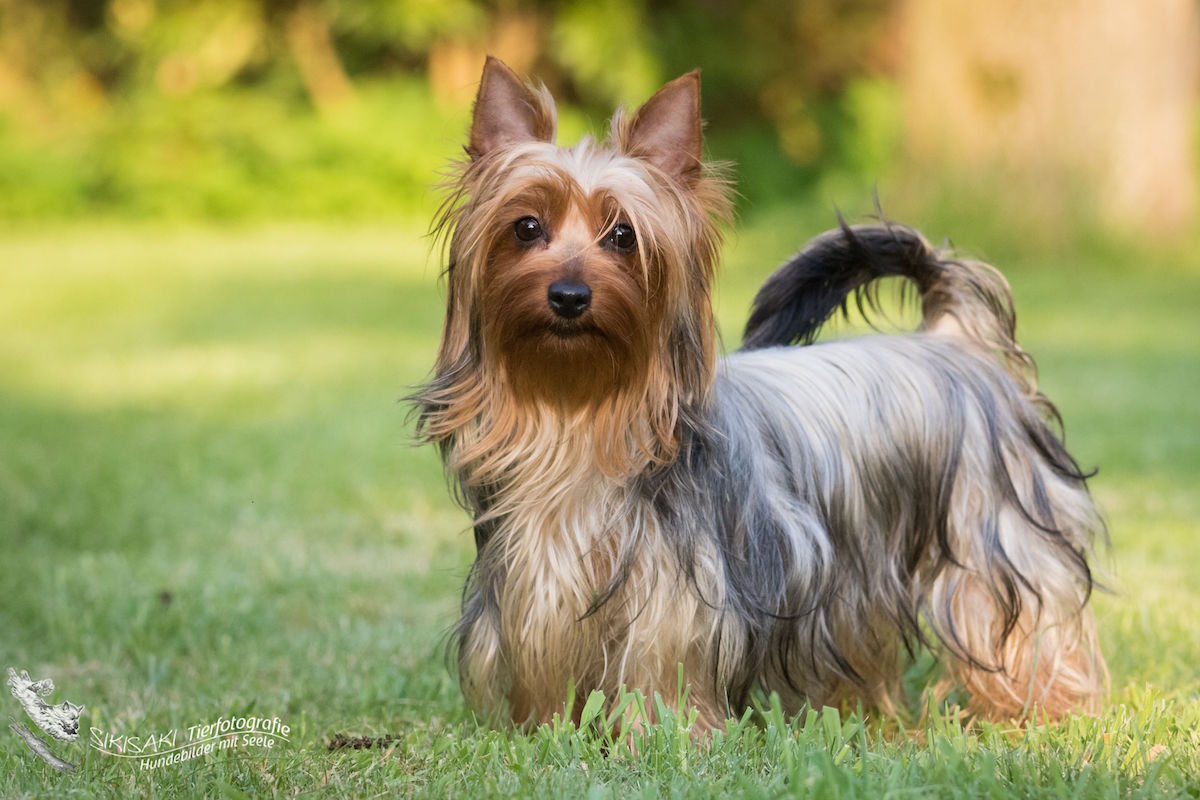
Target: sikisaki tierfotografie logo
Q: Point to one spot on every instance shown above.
(146, 750)
(151, 750)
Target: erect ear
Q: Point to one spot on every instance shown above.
(666, 130)
(506, 111)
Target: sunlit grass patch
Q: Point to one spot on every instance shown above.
(213, 417)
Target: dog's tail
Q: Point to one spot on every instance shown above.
(960, 298)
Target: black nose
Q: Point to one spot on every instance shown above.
(569, 299)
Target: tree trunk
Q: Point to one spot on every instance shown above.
(311, 43)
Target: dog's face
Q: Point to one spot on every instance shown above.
(573, 270)
(567, 300)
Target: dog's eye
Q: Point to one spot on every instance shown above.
(621, 238)
(528, 229)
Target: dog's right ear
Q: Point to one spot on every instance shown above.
(506, 111)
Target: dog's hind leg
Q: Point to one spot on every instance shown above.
(1012, 612)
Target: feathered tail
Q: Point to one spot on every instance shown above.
(959, 297)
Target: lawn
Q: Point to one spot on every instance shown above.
(210, 506)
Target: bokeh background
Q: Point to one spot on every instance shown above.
(320, 109)
(216, 284)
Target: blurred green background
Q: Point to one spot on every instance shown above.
(276, 108)
(215, 284)
(322, 109)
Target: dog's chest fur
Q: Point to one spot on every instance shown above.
(589, 591)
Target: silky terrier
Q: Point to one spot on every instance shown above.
(795, 518)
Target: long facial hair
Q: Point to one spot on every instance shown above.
(643, 359)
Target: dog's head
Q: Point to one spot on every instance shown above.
(581, 273)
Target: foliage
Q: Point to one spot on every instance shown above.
(326, 108)
(231, 155)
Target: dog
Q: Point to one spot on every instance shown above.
(796, 517)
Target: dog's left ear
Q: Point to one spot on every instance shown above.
(666, 130)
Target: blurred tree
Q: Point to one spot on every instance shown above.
(794, 90)
(310, 40)
(764, 61)
(1096, 94)
(126, 99)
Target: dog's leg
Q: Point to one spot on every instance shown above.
(1048, 663)
(482, 672)
(1014, 617)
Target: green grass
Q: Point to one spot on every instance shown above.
(209, 505)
